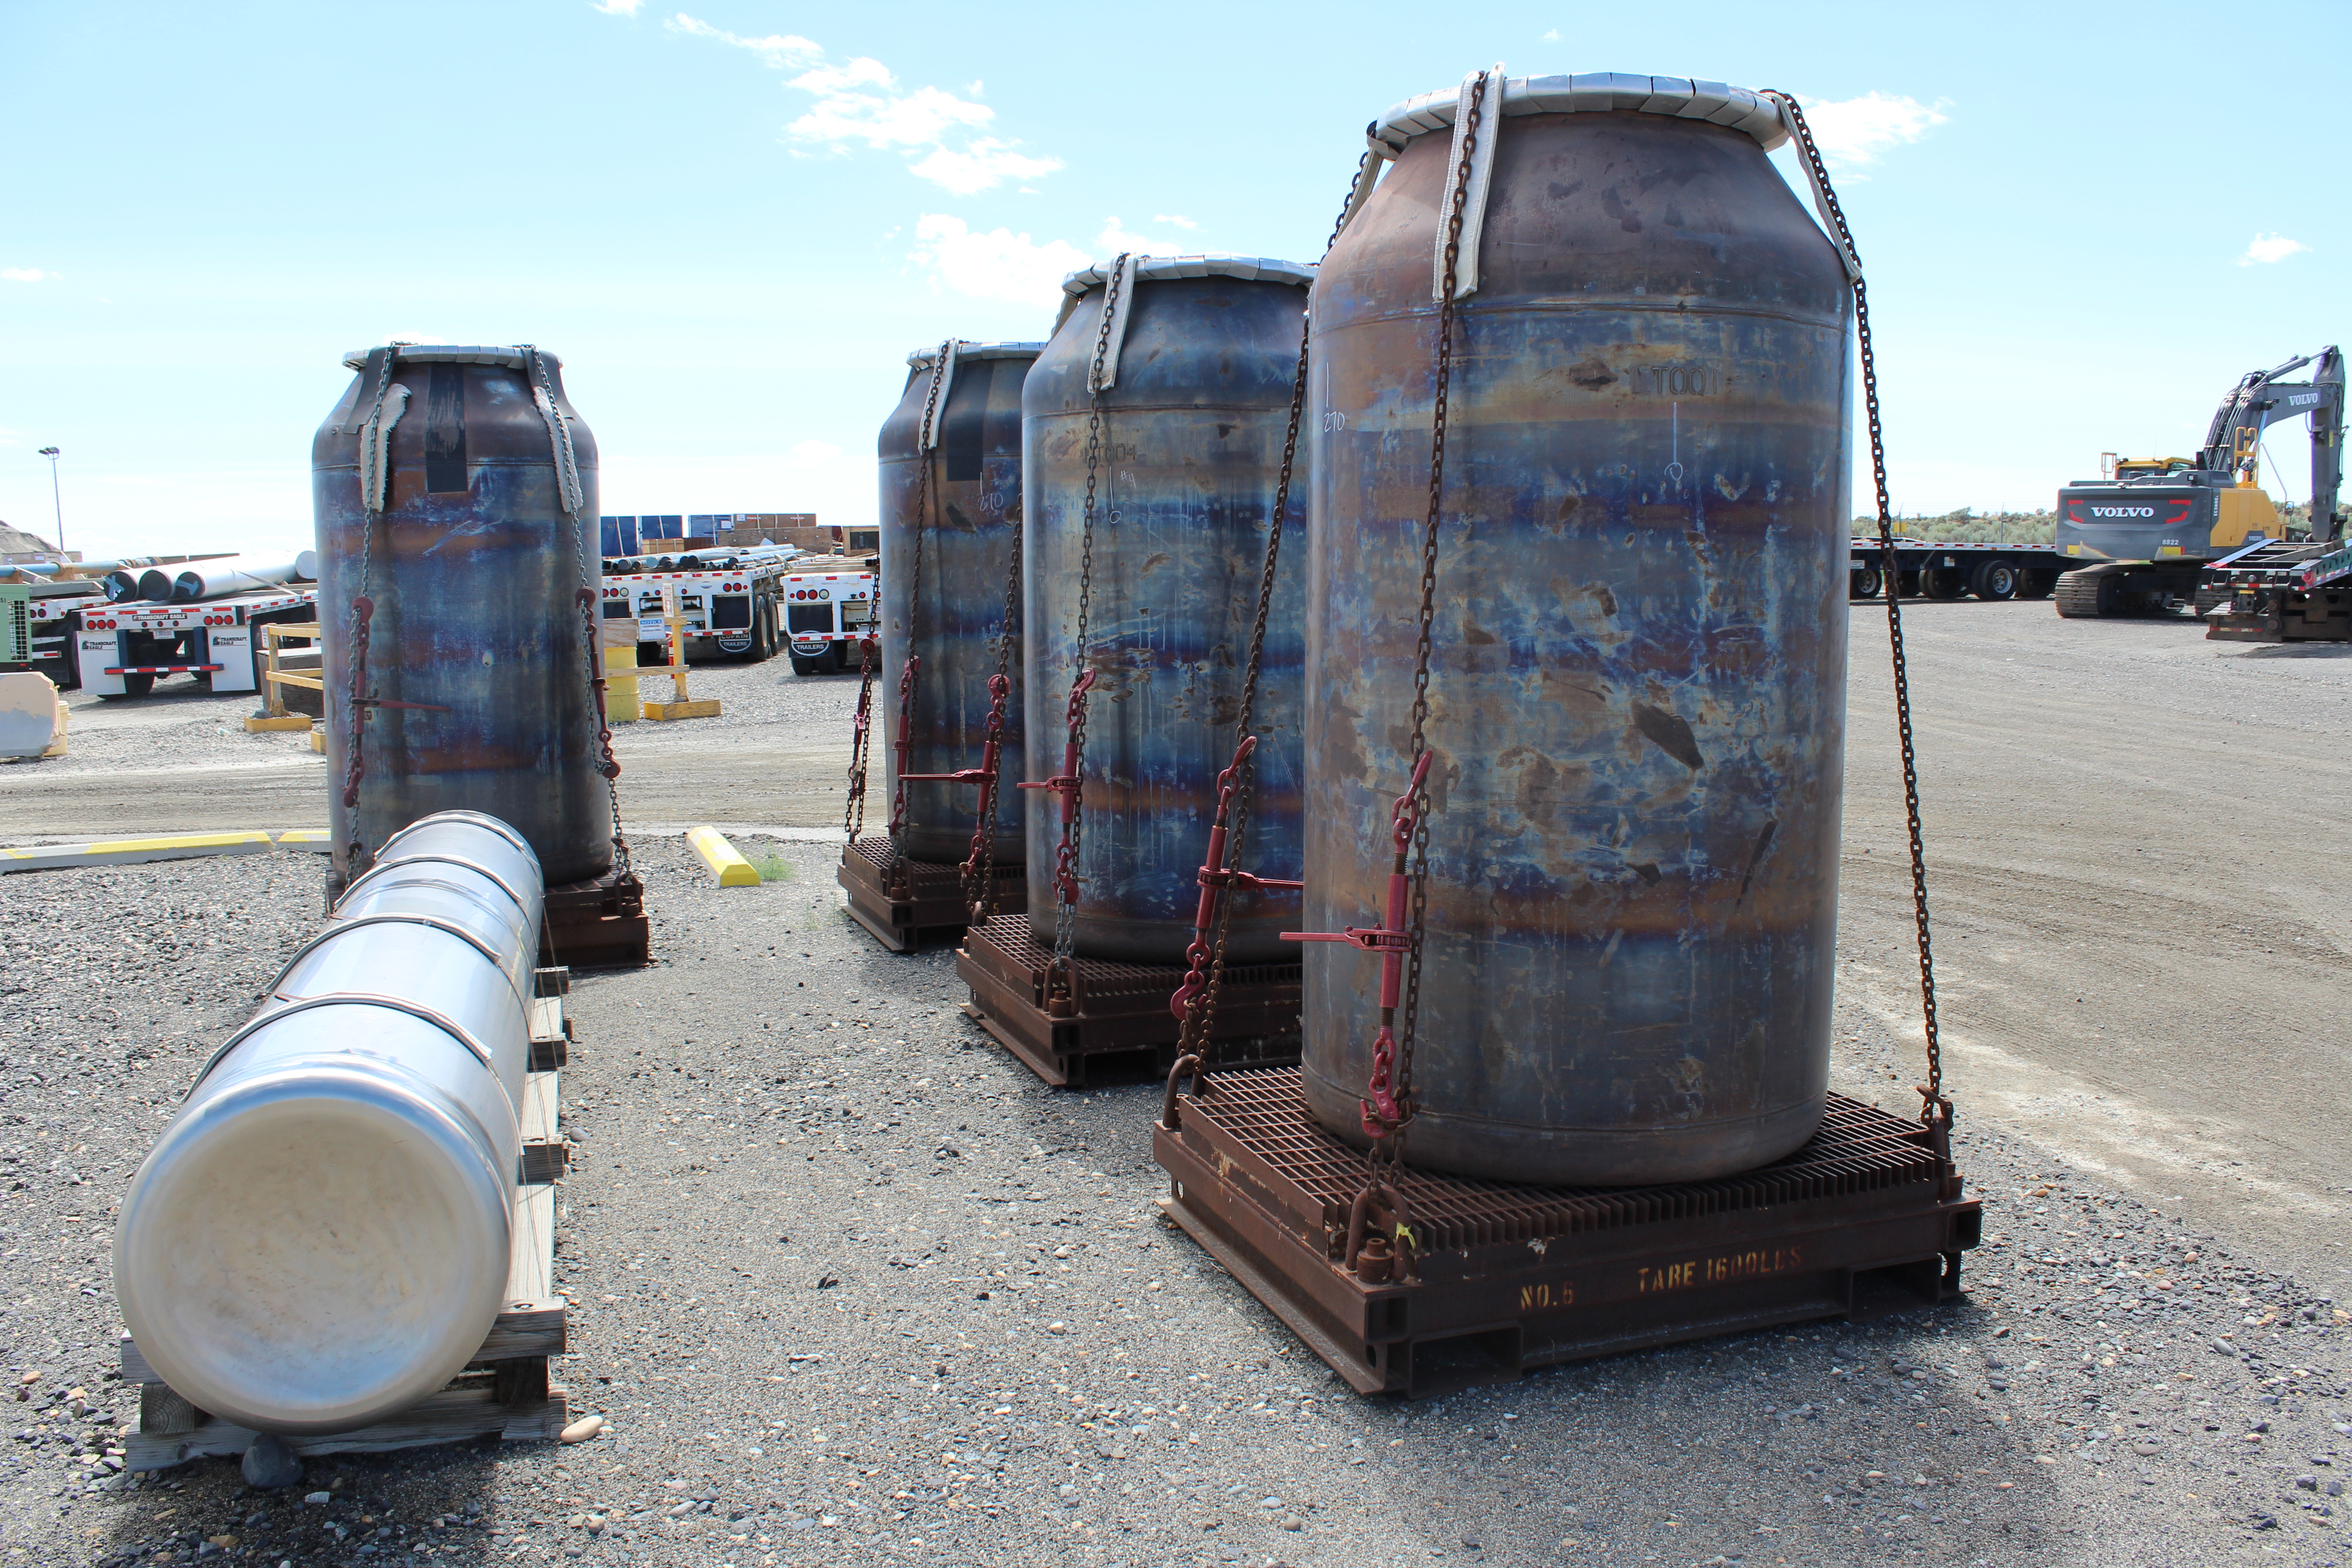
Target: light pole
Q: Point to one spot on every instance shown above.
(55, 500)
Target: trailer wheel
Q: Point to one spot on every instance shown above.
(138, 685)
(808, 666)
(1866, 583)
(1996, 580)
(1943, 583)
(2036, 582)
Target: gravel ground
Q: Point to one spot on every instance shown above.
(851, 1288)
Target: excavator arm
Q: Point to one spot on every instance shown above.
(2261, 399)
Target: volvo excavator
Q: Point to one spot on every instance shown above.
(2171, 535)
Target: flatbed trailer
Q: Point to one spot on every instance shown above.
(2280, 591)
(122, 649)
(1953, 571)
(730, 608)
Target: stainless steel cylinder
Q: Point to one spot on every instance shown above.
(321, 1237)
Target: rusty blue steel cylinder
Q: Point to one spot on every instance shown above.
(1637, 703)
(966, 537)
(1192, 442)
(475, 649)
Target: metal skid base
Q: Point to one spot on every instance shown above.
(934, 908)
(1863, 1221)
(1119, 1019)
(599, 924)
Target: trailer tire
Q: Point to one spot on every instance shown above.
(2036, 582)
(1996, 580)
(137, 686)
(1866, 583)
(1943, 582)
(808, 666)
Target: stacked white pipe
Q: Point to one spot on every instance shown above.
(322, 1236)
(233, 574)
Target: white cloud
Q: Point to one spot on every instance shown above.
(858, 102)
(997, 264)
(1171, 217)
(35, 275)
(1115, 239)
(984, 165)
(2266, 248)
(1854, 131)
(618, 7)
(777, 50)
(1551, 35)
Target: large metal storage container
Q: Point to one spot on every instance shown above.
(966, 537)
(476, 647)
(1638, 689)
(1192, 446)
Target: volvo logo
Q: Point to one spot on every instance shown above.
(2123, 511)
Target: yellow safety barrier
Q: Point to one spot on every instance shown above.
(731, 870)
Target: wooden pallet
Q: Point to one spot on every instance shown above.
(504, 1390)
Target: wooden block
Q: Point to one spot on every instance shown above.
(540, 1115)
(465, 1409)
(526, 1328)
(135, 1365)
(547, 1019)
(317, 739)
(519, 1381)
(693, 707)
(555, 981)
(162, 1411)
(546, 1056)
(529, 1274)
(289, 722)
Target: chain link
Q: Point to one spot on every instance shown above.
(571, 497)
(853, 809)
(1066, 908)
(1197, 1038)
(979, 869)
(1390, 1150)
(1937, 1107)
(894, 871)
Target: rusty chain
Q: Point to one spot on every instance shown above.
(909, 680)
(1936, 1108)
(853, 809)
(1066, 907)
(1390, 1150)
(1197, 1039)
(572, 498)
(980, 868)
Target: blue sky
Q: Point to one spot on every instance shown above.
(2082, 222)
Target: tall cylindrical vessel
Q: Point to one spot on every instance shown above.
(1638, 688)
(1205, 352)
(322, 1236)
(477, 651)
(966, 533)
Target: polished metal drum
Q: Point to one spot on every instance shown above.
(1638, 690)
(1204, 354)
(485, 535)
(966, 535)
(322, 1236)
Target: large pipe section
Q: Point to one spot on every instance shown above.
(471, 534)
(970, 507)
(322, 1236)
(1202, 356)
(234, 574)
(1639, 662)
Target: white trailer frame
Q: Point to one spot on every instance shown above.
(213, 638)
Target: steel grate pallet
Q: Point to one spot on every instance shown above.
(1866, 1217)
(1120, 1018)
(933, 907)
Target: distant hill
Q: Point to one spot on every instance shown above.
(16, 542)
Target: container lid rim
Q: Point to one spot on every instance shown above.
(1680, 98)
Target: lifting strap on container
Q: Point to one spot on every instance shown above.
(1818, 178)
(1460, 271)
(1377, 156)
(1118, 301)
(1936, 1108)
